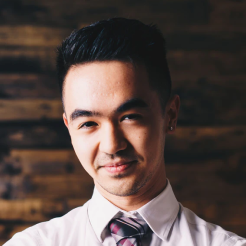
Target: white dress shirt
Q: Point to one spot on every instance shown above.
(171, 224)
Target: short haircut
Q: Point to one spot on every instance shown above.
(118, 39)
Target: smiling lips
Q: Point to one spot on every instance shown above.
(118, 167)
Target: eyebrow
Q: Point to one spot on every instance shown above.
(130, 104)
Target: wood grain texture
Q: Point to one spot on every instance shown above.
(8, 230)
(206, 64)
(207, 139)
(211, 100)
(35, 109)
(41, 134)
(24, 86)
(27, 60)
(48, 187)
(32, 36)
(228, 214)
(57, 13)
(35, 210)
(40, 162)
(212, 183)
(228, 13)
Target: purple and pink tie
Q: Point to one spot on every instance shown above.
(127, 231)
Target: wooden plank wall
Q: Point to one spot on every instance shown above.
(40, 176)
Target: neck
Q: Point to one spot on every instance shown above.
(133, 202)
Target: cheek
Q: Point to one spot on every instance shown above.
(149, 142)
(142, 140)
(85, 149)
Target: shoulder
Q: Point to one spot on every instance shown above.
(212, 234)
(52, 231)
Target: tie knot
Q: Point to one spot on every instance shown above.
(127, 231)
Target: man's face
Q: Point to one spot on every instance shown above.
(116, 125)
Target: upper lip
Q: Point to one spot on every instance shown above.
(119, 163)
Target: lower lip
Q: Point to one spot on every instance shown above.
(118, 169)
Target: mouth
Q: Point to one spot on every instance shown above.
(119, 167)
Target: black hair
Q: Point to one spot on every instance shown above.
(118, 39)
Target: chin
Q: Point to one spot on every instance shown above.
(125, 188)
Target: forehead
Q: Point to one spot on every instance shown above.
(107, 84)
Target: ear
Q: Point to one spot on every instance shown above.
(172, 111)
(65, 120)
(66, 124)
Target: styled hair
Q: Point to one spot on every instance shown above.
(118, 39)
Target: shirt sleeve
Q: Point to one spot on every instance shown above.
(240, 243)
(235, 241)
(25, 239)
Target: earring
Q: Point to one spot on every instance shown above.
(171, 128)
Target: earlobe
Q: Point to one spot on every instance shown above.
(171, 129)
(172, 112)
(65, 120)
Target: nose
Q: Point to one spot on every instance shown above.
(112, 139)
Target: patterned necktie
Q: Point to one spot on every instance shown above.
(127, 231)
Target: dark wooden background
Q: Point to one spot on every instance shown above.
(40, 176)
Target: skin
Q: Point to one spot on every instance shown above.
(114, 131)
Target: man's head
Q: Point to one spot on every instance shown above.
(118, 39)
(115, 85)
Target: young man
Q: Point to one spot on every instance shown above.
(118, 108)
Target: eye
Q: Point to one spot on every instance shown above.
(88, 124)
(131, 117)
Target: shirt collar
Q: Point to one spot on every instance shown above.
(100, 212)
(159, 213)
